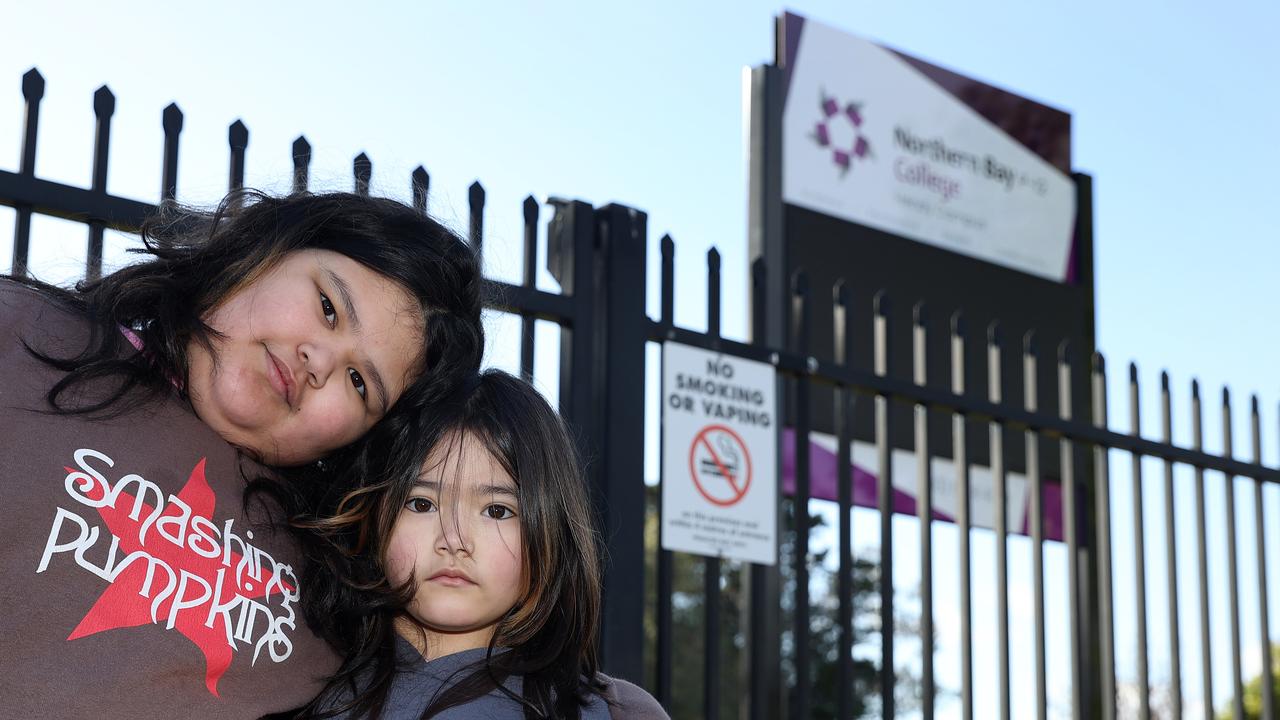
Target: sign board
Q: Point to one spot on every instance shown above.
(887, 173)
(719, 455)
(872, 137)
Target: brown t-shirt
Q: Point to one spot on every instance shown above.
(132, 582)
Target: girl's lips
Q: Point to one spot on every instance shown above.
(280, 377)
(451, 578)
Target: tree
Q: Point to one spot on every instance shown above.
(824, 640)
(1253, 692)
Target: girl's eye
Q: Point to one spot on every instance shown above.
(330, 312)
(499, 512)
(357, 381)
(420, 505)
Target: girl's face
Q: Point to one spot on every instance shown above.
(314, 352)
(457, 539)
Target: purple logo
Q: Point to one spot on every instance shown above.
(841, 131)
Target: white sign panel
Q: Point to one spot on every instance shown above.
(869, 138)
(719, 455)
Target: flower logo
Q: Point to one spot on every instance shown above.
(852, 145)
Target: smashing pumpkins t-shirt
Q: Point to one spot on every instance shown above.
(133, 581)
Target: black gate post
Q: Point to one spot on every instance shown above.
(619, 483)
(598, 257)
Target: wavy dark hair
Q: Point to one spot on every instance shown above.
(199, 259)
(548, 639)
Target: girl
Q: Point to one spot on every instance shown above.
(470, 588)
(275, 330)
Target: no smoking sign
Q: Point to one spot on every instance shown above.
(720, 465)
(719, 455)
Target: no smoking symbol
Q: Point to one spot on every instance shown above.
(720, 465)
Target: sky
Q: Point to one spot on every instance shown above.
(640, 103)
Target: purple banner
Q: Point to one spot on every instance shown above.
(822, 486)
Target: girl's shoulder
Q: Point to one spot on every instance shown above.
(628, 701)
(27, 308)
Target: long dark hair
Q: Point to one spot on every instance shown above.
(548, 639)
(198, 259)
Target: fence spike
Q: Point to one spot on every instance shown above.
(32, 85)
(880, 303)
(238, 135)
(301, 164)
(362, 169)
(171, 118)
(476, 198)
(104, 102)
(301, 150)
(421, 184)
(800, 283)
(238, 139)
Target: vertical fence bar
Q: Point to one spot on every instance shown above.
(238, 140)
(1030, 394)
(171, 121)
(32, 93)
(800, 319)
(960, 457)
(884, 492)
(1139, 549)
(475, 198)
(765, 656)
(995, 377)
(842, 414)
(924, 507)
(1233, 580)
(104, 106)
(1171, 553)
(362, 172)
(1255, 426)
(1070, 526)
(665, 559)
(711, 565)
(420, 182)
(529, 280)
(1102, 511)
(1206, 664)
(301, 164)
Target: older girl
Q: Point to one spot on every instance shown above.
(136, 582)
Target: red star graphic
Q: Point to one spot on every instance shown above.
(127, 602)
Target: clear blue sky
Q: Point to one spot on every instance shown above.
(1173, 107)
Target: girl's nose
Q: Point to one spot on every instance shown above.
(452, 538)
(317, 361)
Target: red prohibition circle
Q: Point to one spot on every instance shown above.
(739, 489)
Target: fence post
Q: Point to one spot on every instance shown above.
(598, 257)
(619, 483)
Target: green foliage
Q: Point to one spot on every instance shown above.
(1253, 692)
(688, 616)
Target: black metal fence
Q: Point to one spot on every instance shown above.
(594, 254)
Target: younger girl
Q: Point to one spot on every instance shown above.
(471, 588)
